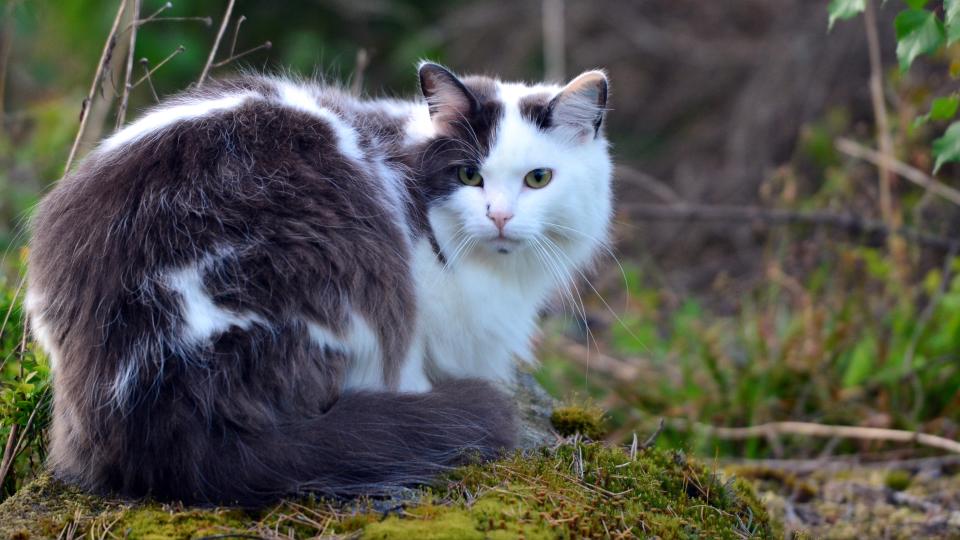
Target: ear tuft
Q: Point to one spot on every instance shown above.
(581, 104)
(448, 99)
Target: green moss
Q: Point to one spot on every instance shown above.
(576, 490)
(897, 480)
(585, 420)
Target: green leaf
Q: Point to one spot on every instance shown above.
(943, 108)
(916, 4)
(861, 362)
(918, 32)
(845, 9)
(951, 15)
(947, 148)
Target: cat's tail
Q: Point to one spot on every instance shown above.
(368, 442)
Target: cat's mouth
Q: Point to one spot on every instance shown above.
(504, 244)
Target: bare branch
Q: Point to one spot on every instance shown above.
(88, 102)
(363, 60)
(872, 231)
(810, 429)
(128, 73)
(554, 39)
(216, 43)
(146, 68)
(265, 45)
(888, 162)
(177, 51)
(884, 143)
(236, 33)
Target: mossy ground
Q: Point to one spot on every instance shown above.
(575, 490)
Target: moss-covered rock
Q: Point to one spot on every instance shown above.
(575, 490)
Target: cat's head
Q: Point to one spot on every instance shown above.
(516, 170)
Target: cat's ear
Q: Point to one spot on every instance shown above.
(448, 99)
(580, 105)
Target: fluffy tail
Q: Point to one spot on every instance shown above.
(368, 442)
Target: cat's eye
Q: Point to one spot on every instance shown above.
(538, 178)
(470, 176)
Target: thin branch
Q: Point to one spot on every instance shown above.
(874, 231)
(888, 162)
(207, 21)
(7, 461)
(554, 38)
(125, 95)
(649, 183)
(146, 68)
(153, 15)
(363, 60)
(88, 102)
(265, 45)
(177, 51)
(236, 34)
(884, 143)
(216, 43)
(810, 429)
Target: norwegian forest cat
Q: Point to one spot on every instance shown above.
(265, 287)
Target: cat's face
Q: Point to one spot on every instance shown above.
(517, 171)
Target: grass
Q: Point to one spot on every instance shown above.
(575, 490)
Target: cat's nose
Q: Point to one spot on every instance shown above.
(499, 218)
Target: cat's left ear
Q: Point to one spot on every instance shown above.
(581, 105)
(448, 99)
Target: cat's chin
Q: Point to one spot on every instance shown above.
(504, 246)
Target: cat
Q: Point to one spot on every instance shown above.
(266, 287)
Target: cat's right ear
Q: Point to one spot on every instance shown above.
(448, 99)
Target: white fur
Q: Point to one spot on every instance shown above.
(41, 330)
(166, 116)
(299, 97)
(202, 318)
(481, 310)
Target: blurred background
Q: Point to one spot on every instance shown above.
(767, 264)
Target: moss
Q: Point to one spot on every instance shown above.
(576, 490)
(897, 480)
(583, 419)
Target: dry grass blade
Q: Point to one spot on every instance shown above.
(216, 43)
(97, 77)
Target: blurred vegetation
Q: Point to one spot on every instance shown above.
(728, 325)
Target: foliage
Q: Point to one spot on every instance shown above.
(921, 31)
(576, 490)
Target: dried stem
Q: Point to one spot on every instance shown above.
(150, 72)
(810, 429)
(216, 43)
(554, 38)
(128, 72)
(884, 143)
(7, 461)
(264, 45)
(97, 77)
(236, 34)
(146, 68)
(363, 60)
(888, 162)
(871, 231)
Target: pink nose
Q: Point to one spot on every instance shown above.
(500, 218)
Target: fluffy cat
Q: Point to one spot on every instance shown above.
(265, 287)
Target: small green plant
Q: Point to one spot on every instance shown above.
(922, 30)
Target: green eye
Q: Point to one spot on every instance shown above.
(538, 178)
(470, 176)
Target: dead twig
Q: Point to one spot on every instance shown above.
(810, 429)
(146, 68)
(363, 60)
(150, 72)
(649, 183)
(875, 232)
(97, 77)
(653, 436)
(216, 43)
(265, 45)
(128, 73)
(884, 143)
(918, 177)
